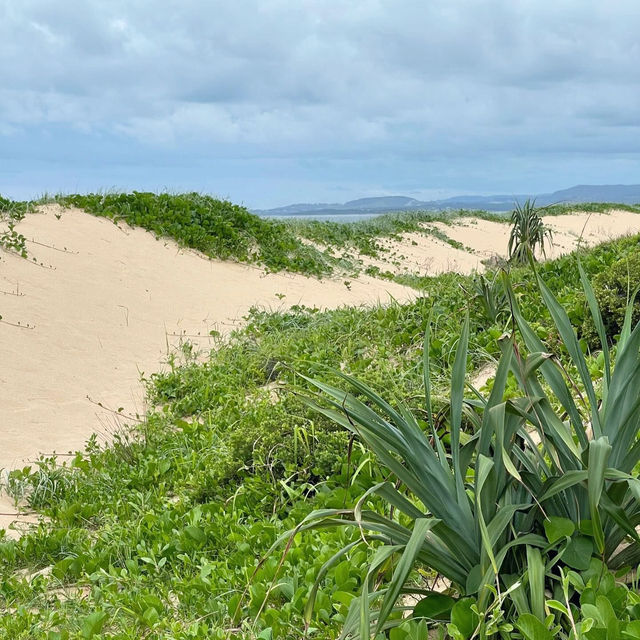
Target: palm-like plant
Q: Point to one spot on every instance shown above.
(530, 492)
(528, 233)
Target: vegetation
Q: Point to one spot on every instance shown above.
(218, 228)
(591, 207)
(488, 293)
(614, 288)
(166, 533)
(364, 236)
(517, 506)
(10, 214)
(528, 233)
(227, 231)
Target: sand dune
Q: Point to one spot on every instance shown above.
(103, 304)
(96, 306)
(482, 240)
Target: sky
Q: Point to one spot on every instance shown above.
(270, 102)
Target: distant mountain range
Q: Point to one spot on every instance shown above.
(620, 193)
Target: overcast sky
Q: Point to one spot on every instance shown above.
(269, 102)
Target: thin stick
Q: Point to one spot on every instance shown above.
(50, 246)
(118, 413)
(18, 325)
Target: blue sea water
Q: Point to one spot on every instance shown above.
(328, 217)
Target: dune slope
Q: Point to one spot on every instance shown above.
(103, 304)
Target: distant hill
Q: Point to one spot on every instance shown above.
(383, 201)
(624, 194)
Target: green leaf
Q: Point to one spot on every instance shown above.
(333, 560)
(534, 361)
(556, 528)
(599, 451)
(474, 579)
(611, 621)
(566, 481)
(464, 618)
(195, 533)
(597, 320)
(458, 375)
(484, 466)
(426, 370)
(150, 616)
(536, 570)
(411, 551)
(436, 606)
(92, 624)
(558, 606)
(578, 553)
(532, 629)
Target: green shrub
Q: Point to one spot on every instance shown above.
(530, 497)
(10, 214)
(487, 291)
(613, 289)
(528, 233)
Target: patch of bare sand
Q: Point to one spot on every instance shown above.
(591, 228)
(483, 375)
(484, 240)
(103, 304)
(19, 520)
(423, 254)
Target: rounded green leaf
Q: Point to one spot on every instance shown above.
(578, 553)
(464, 618)
(435, 606)
(532, 629)
(557, 528)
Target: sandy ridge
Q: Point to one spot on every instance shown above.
(102, 304)
(485, 239)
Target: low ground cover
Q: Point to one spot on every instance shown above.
(215, 227)
(160, 534)
(10, 214)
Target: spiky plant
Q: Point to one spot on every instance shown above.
(544, 484)
(488, 293)
(528, 233)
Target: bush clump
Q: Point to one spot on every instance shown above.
(613, 289)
